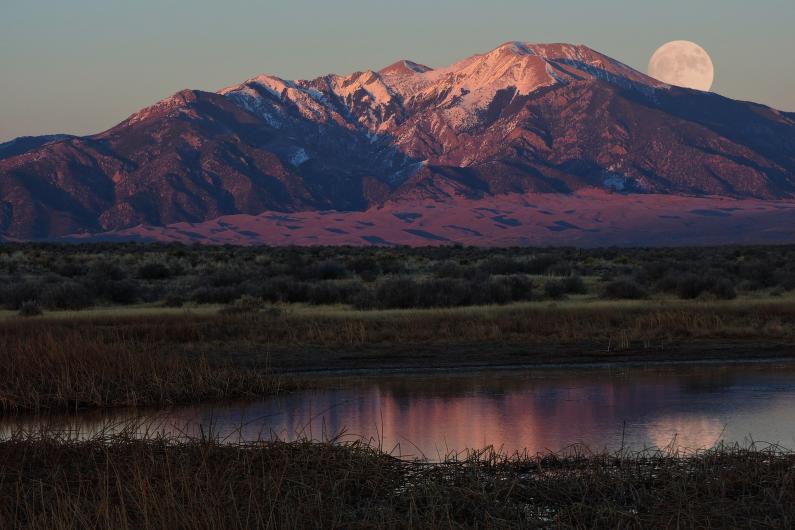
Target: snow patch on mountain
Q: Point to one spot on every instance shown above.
(380, 101)
(299, 157)
(252, 101)
(404, 67)
(614, 181)
(366, 83)
(168, 107)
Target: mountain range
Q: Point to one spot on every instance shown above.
(524, 124)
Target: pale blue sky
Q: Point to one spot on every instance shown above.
(81, 66)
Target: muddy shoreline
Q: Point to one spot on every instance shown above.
(473, 357)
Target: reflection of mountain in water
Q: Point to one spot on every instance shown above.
(538, 411)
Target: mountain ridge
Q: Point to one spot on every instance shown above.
(521, 118)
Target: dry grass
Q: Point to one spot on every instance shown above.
(534, 323)
(155, 359)
(524, 322)
(52, 481)
(80, 365)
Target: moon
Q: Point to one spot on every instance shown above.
(683, 63)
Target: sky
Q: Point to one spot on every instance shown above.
(81, 66)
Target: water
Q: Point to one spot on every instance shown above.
(538, 410)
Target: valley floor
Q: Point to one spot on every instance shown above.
(588, 218)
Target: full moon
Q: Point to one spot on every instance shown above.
(683, 63)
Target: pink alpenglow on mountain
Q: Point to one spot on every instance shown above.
(522, 124)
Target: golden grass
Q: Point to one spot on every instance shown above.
(531, 322)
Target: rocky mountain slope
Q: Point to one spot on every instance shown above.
(23, 144)
(519, 119)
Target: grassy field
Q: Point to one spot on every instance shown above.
(71, 363)
(51, 481)
(156, 356)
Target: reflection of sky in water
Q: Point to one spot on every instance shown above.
(537, 410)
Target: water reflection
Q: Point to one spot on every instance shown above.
(536, 410)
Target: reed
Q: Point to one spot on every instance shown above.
(78, 366)
(52, 480)
(340, 326)
(107, 360)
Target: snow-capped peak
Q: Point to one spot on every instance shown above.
(369, 82)
(275, 85)
(404, 67)
(171, 105)
(380, 99)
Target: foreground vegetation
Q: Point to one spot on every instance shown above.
(54, 481)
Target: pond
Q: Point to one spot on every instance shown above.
(432, 415)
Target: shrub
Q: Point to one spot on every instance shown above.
(397, 293)
(624, 289)
(494, 291)
(247, 304)
(70, 269)
(216, 295)
(30, 309)
(657, 270)
(121, 292)
(724, 289)
(522, 288)
(67, 295)
(333, 292)
(786, 279)
(501, 265)
(390, 265)
(17, 293)
(448, 269)
(105, 270)
(517, 288)
(368, 276)
(690, 287)
(325, 270)
(668, 283)
(760, 272)
(279, 289)
(560, 268)
(225, 277)
(747, 285)
(574, 285)
(555, 289)
(365, 265)
(540, 264)
(173, 300)
(154, 270)
(365, 300)
(445, 292)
